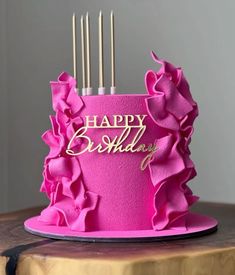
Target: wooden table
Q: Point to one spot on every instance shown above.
(25, 254)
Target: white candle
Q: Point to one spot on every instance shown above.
(83, 56)
(74, 48)
(113, 80)
(88, 60)
(101, 89)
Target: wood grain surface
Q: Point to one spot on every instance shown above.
(209, 255)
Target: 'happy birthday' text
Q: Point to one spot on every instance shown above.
(118, 143)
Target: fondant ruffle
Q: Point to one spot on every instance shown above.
(172, 108)
(70, 201)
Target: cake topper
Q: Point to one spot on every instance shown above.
(74, 48)
(131, 127)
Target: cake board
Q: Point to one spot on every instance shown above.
(197, 226)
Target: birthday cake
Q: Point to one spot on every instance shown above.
(119, 165)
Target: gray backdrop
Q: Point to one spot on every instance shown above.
(35, 46)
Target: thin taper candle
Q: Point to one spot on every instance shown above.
(83, 56)
(88, 60)
(101, 89)
(74, 46)
(113, 80)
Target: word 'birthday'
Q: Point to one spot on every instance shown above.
(132, 128)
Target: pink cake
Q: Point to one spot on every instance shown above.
(119, 165)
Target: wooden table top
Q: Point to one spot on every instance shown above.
(23, 253)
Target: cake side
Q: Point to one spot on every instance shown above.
(117, 173)
(120, 162)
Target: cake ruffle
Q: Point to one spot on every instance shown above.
(173, 109)
(70, 201)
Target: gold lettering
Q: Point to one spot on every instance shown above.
(116, 144)
(79, 134)
(129, 119)
(124, 135)
(141, 119)
(145, 162)
(105, 122)
(135, 140)
(117, 119)
(90, 122)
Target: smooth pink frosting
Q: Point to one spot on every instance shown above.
(109, 191)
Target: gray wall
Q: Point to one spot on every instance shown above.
(3, 109)
(35, 45)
